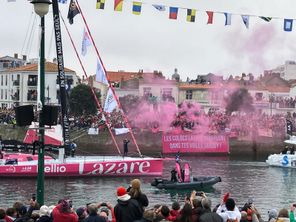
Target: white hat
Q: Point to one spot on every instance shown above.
(44, 211)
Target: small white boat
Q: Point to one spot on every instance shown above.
(284, 159)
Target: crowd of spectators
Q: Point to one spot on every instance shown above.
(133, 206)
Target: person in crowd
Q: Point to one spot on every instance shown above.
(107, 208)
(125, 147)
(272, 215)
(175, 211)
(136, 193)
(207, 215)
(292, 216)
(81, 213)
(196, 208)
(11, 214)
(186, 214)
(174, 175)
(283, 216)
(64, 212)
(44, 214)
(93, 215)
(2, 215)
(162, 213)
(231, 213)
(126, 209)
(23, 216)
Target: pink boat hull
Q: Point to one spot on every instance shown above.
(123, 167)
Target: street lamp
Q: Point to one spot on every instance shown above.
(41, 8)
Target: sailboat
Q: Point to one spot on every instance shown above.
(18, 164)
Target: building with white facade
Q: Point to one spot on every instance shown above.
(19, 86)
(286, 71)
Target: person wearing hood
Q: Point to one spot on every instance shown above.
(64, 212)
(44, 214)
(272, 215)
(232, 212)
(126, 209)
(284, 216)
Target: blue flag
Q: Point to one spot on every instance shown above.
(288, 25)
(227, 18)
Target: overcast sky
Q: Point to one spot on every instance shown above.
(151, 41)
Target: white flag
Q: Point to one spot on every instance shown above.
(100, 74)
(110, 102)
(85, 42)
(119, 131)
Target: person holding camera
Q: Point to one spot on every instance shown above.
(106, 208)
(93, 215)
(64, 212)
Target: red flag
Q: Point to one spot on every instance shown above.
(210, 17)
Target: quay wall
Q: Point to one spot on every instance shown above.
(148, 142)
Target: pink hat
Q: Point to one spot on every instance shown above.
(122, 194)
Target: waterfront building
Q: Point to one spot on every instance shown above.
(19, 85)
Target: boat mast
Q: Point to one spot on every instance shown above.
(92, 89)
(110, 85)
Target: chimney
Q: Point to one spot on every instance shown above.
(24, 58)
(15, 55)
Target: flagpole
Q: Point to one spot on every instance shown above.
(92, 89)
(110, 85)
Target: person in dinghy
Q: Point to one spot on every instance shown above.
(181, 175)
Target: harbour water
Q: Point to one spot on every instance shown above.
(268, 186)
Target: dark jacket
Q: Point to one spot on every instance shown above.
(210, 217)
(44, 219)
(94, 218)
(127, 211)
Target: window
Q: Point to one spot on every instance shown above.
(147, 92)
(5, 93)
(258, 96)
(189, 94)
(1, 80)
(1, 93)
(6, 80)
(166, 91)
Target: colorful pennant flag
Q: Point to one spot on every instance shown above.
(73, 11)
(245, 19)
(100, 74)
(288, 25)
(118, 5)
(210, 17)
(173, 13)
(85, 42)
(191, 15)
(227, 18)
(137, 7)
(100, 4)
(266, 19)
(110, 102)
(63, 1)
(159, 7)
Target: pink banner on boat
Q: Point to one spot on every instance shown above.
(144, 167)
(189, 143)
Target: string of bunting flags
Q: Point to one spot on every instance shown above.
(191, 13)
(173, 12)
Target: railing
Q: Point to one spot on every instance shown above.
(32, 83)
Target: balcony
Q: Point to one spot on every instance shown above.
(16, 83)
